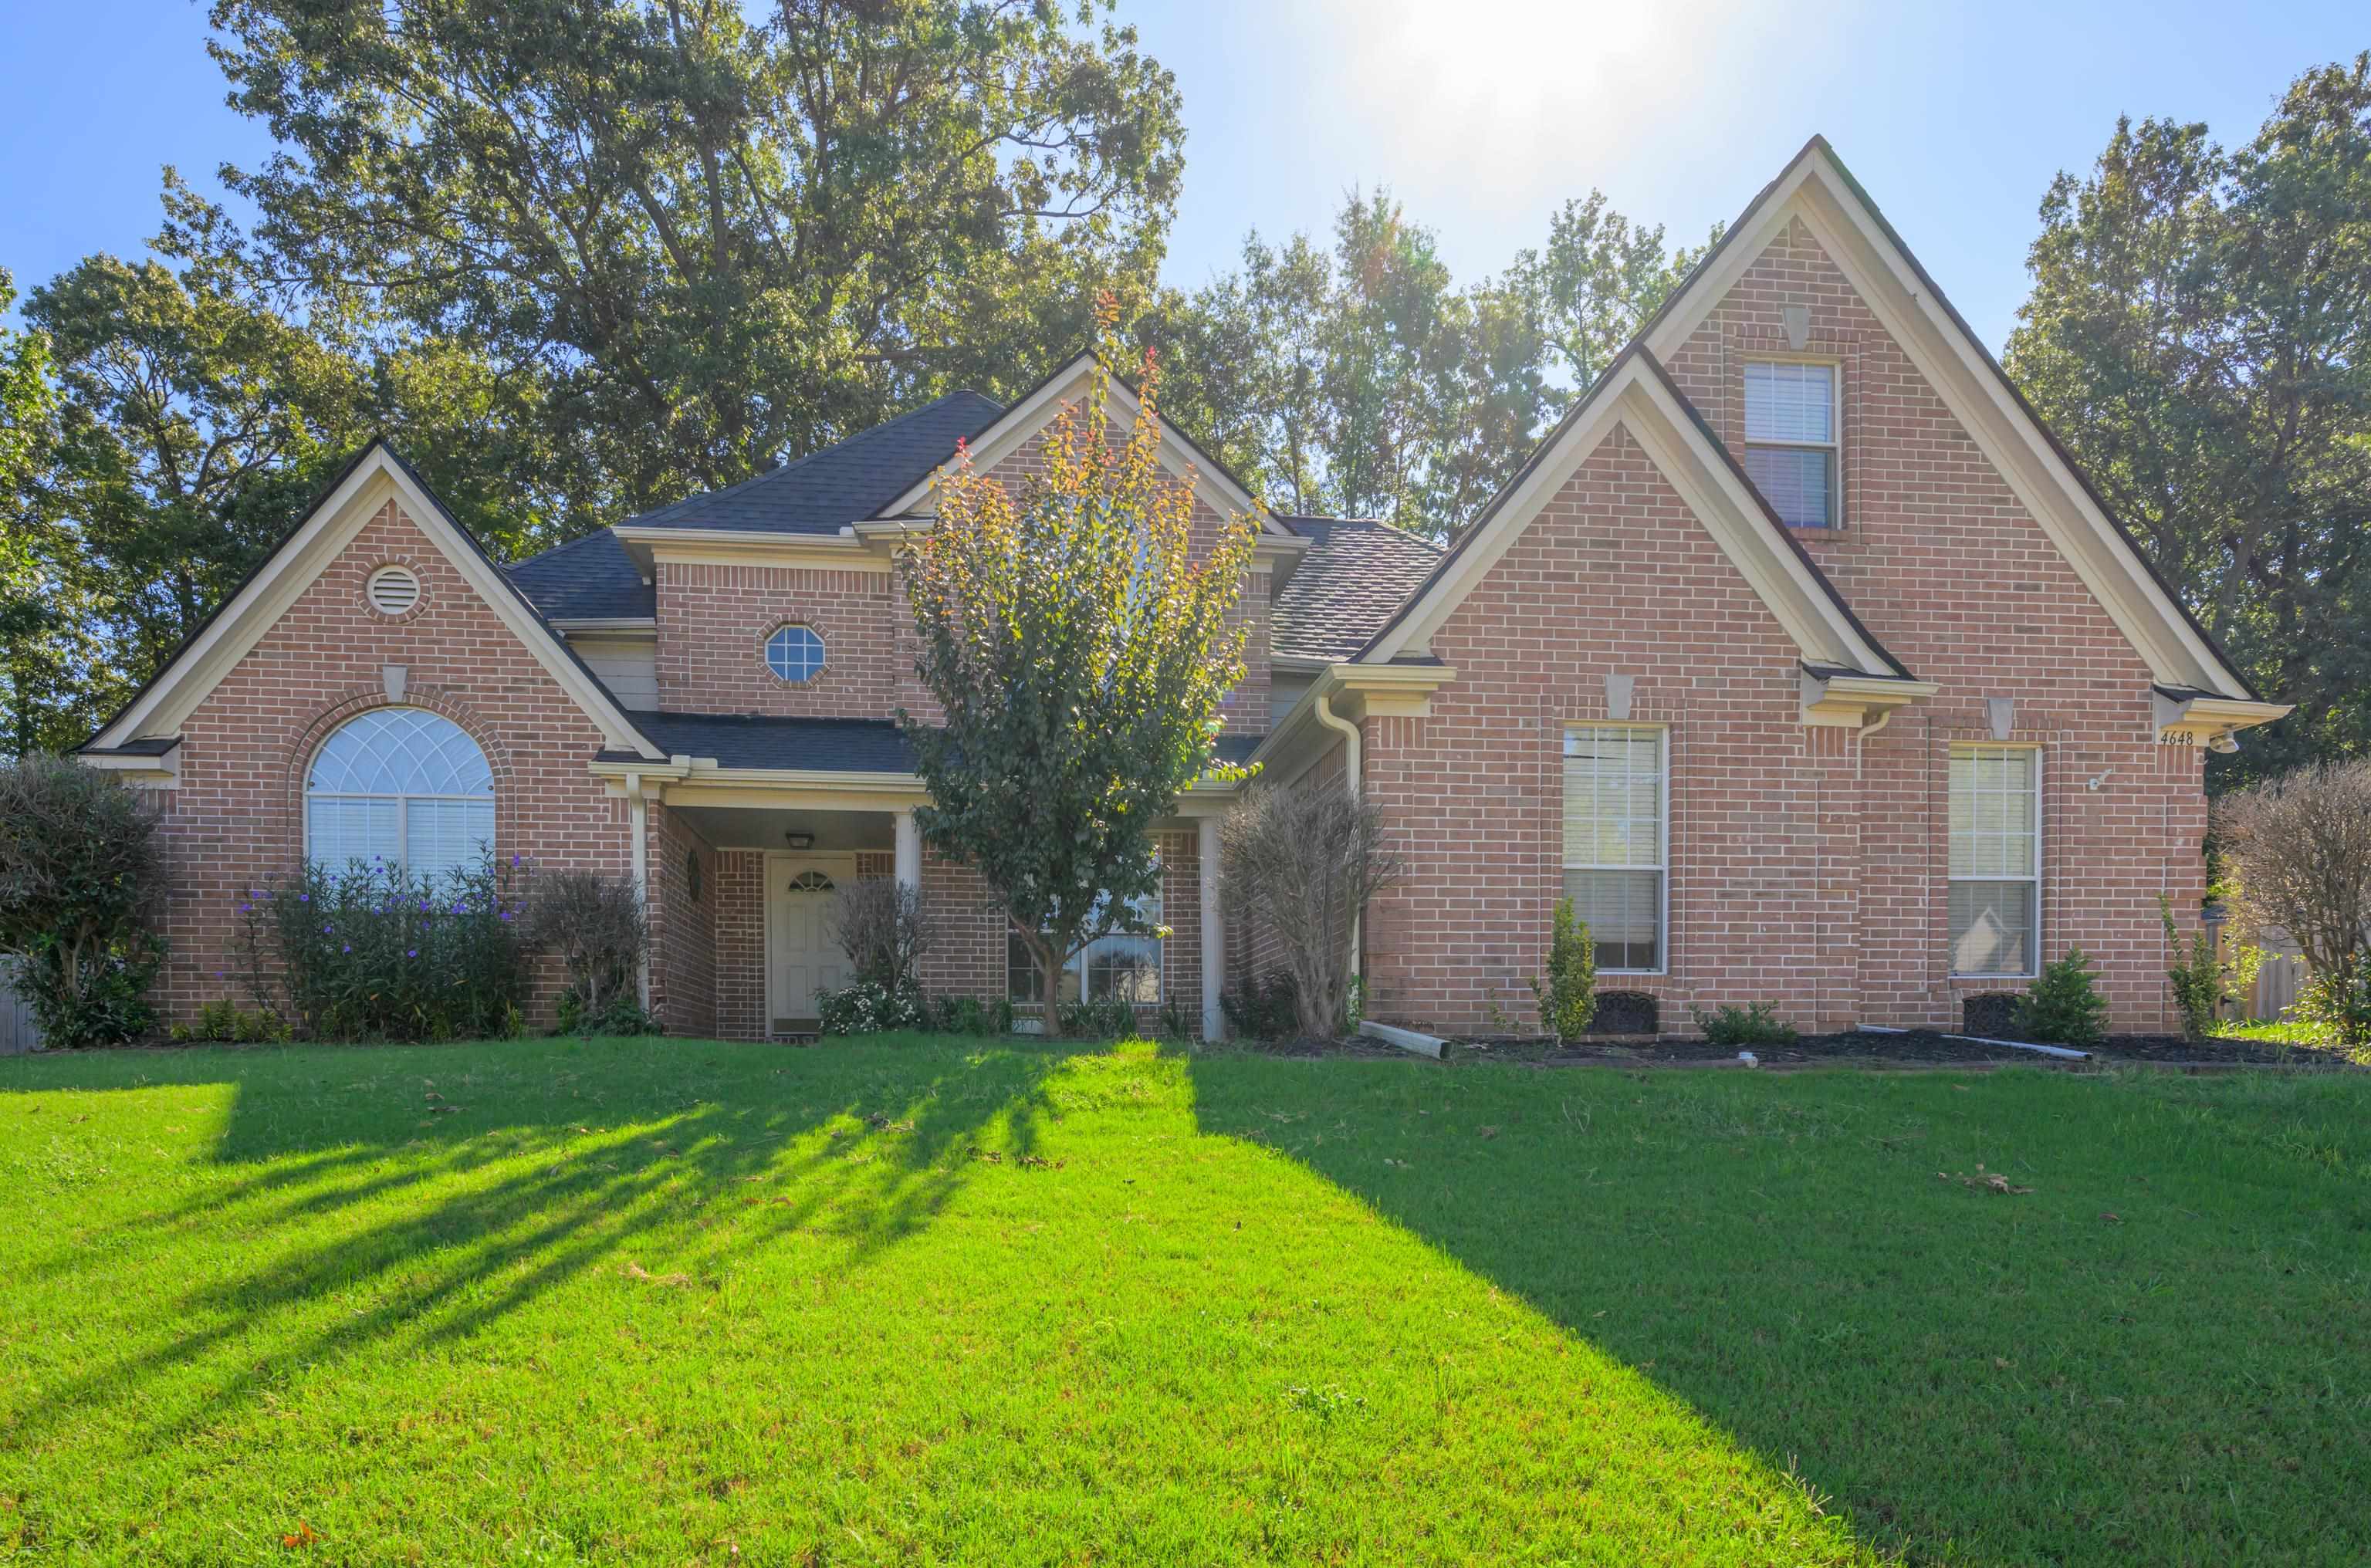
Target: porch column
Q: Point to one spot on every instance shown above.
(909, 850)
(1214, 934)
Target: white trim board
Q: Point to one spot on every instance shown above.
(377, 477)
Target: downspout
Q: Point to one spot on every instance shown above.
(638, 809)
(1350, 738)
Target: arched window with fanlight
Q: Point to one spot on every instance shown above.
(401, 785)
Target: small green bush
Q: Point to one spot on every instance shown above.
(372, 952)
(867, 1006)
(1266, 1008)
(1756, 1023)
(619, 1017)
(969, 1015)
(2063, 1007)
(1567, 998)
(225, 1021)
(1109, 1019)
(2335, 1014)
(600, 930)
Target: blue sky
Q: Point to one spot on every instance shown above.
(1482, 115)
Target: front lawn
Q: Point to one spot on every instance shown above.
(916, 1301)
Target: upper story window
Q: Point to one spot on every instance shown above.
(795, 654)
(1615, 841)
(1790, 439)
(401, 785)
(1995, 893)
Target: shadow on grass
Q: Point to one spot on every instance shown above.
(2143, 1352)
(445, 1189)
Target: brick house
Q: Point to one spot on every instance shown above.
(1800, 655)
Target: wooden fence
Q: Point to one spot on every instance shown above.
(18, 1034)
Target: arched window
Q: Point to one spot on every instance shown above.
(402, 785)
(795, 654)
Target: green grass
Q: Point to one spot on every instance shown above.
(923, 1301)
(2312, 1036)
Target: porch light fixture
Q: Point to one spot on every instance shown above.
(799, 840)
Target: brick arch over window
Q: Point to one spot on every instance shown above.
(296, 763)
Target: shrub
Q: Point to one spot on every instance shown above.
(2302, 846)
(1304, 863)
(1176, 1022)
(224, 1021)
(1108, 1019)
(372, 952)
(867, 1006)
(2201, 982)
(969, 1015)
(601, 932)
(1266, 1008)
(1567, 998)
(2064, 1006)
(1756, 1023)
(82, 867)
(879, 924)
(2335, 1015)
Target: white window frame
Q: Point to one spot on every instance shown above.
(1834, 447)
(1079, 962)
(2041, 837)
(1662, 867)
(402, 857)
(822, 660)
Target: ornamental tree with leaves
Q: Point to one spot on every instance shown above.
(1078, 637)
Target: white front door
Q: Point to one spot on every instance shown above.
(801, 957)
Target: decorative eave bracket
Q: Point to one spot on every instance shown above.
(1386, 691)
(1850, 699)
(2187, 717)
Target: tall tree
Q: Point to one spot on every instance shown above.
(1077, 649)
(710, 234)
(46, 653)
(195, 422)
(1357, 379)
(2200, 333)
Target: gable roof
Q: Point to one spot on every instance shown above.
(843, 483)
(1357, 571)
(1636, 392)
(1817, 188)
(320, 535)
(588, 579)
(1030, 412)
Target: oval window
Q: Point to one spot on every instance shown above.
(795, 654)
(393, 590)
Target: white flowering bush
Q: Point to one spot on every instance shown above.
(867, 1006)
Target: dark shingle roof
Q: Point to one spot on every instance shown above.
(588, 578)
(848, 745)
(1357, 572)
(842, 484)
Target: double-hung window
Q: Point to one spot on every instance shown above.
(1616, 821)
(1995, 893)
(1120, 967)
(1790, 439)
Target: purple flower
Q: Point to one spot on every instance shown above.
(348, 948)
(325, 930)
(506, 914)
(412, 952)
(515, 860)
(303, 898)
(245, 907)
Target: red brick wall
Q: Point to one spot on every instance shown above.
(1807, 868)
(1940, 560)
(683, 928)
(714, 620)
(741, 944)
(238, 813)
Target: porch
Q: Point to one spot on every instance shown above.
(740, 845)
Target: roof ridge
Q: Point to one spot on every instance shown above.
(601, 532)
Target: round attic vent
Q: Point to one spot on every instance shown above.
(393, 590)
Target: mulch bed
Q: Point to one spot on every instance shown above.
(1917, 1048)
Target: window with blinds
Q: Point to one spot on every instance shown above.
(1790, 439)
(402, 786)
(1615, 838)
(1995, 902)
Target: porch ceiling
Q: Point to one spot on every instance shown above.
(767, 827)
